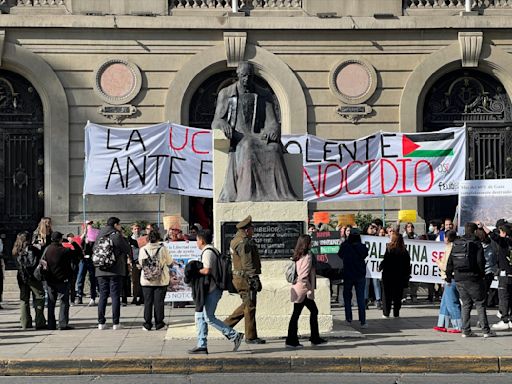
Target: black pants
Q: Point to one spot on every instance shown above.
(392, 294)
(137, 289)
(505, 297)
(292, 338)
(154, 299)
(473, 292)
(58, 292)
(109, 286)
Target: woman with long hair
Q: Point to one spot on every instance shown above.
(396, 271)
(303, 294)
(41, 237)
(27, 258)
(353, 253)
(450, 303)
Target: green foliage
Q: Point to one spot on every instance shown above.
(363, 219)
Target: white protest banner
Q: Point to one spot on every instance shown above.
(182, 252)
(485, 200)
(163, 158)
(383, 164)
(423, 257)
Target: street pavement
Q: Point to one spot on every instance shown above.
(406, 344)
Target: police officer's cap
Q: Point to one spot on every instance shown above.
(245, 223)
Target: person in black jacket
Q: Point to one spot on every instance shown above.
(502, 238)
(466, 264)
(353, 253)
(58, 278)
(396, 271)
(110, 280)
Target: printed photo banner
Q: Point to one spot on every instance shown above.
(163, 158)
(182, 252)
(423, 258)
(383, 164)
(485, 200)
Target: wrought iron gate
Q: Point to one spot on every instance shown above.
(480, 101)
(21, 158)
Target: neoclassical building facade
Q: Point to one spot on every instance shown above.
(337, 69)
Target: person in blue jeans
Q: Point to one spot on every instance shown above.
(209, 257)
(353, 253)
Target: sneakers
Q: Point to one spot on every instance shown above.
(198, 351)
(490, 334)
(364, 326)
(439, 329)
(92, 302)
(378, 303)
(145, 329)
(501, 326)
(499, 315)
(385, 317)
(318, 341)
(102, 327)
(294, 346)
(78, 300)
(469, 334)
(238, 340)
(454, 330)
(115, 327)
(255, 341)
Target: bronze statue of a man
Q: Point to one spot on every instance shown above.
(256, 169)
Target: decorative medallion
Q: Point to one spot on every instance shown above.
(353, 80)
(117, 81)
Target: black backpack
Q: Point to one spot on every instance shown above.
(463, 255)
(223, 275)
(27, 261)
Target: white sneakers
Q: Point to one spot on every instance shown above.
(115, 327)
(501, 326)
(92, 303)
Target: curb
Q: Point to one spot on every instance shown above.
(295, 364)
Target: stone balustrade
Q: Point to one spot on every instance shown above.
(242, 4)
(37, 3)
(479, 5)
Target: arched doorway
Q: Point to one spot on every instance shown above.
(21, 158)
(201, 113)
(479, 100)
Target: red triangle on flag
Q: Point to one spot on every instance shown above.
(408, 145)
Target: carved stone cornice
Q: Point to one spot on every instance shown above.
(470, 48)
(235, 47)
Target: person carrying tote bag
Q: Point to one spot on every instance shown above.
(303, 294)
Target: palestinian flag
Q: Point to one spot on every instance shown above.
(436, 144)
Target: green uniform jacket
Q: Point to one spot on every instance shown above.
(245, 255)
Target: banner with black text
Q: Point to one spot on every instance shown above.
(163, 158)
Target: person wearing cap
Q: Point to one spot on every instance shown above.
(58, 280)
(246, 268)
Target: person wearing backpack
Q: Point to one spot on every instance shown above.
(303, 294)
(112, 270)
(502, 238)
(210, 258)
(27, 258)
(154, 259)
(466, 264)
(353, 253)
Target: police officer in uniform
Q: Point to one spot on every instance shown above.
(246, 268)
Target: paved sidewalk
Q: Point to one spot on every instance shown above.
(404, 344)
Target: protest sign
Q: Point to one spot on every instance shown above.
(163, 158)
(382, 164)
(423, 258)
(325, 246)
(182, 252)
(485, 200)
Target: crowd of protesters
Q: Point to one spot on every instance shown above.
(53, 267)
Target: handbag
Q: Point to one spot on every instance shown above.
(41, 271)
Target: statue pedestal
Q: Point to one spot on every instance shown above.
(274, 308)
